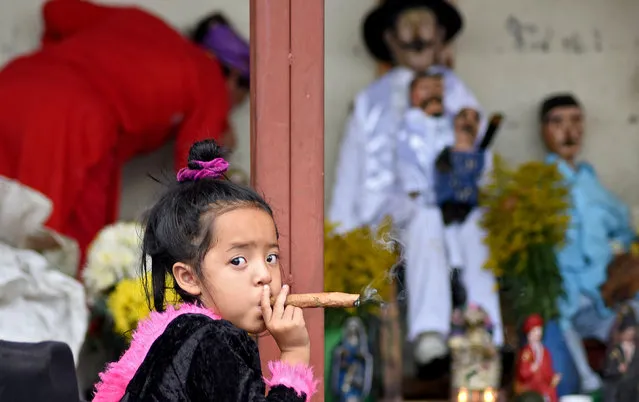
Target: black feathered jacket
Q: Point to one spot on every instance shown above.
(189, 354)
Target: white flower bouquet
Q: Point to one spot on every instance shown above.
(113, 255)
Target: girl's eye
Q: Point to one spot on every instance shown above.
(272, 258)
(238, 261)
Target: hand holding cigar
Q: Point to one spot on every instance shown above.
(321, 300)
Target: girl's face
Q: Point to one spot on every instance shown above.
(244, 257)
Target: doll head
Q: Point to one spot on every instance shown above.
(216, 241)
(533, 328)
(415, 38)
(466, 125)
(427, 93)
(562, 126)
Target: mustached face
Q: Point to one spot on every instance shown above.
(466, 127)
(428, 94)
(415, 38)
(467, 121)
(563, 131)
(434, 106)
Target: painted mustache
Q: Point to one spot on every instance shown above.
(417, 45)
(434, 99)
(569, 142)
(468, 128)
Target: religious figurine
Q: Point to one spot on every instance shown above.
(409, 35)
(621, 367)
(534, 364)
(352, 364)
(427, 136)
(600, 223)
(476, 365)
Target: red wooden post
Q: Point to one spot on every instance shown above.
(287, 143)
(307, 164)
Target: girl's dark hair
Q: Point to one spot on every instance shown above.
(179, 227)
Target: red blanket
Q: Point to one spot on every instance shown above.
(109, 83)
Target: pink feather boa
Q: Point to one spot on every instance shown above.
(116, 377)
(299, 377)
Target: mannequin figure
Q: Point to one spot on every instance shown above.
(598, 221)
(409, 35)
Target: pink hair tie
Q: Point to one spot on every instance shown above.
(212, 169)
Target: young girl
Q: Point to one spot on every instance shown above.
(217, 243)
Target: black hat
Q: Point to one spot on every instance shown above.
(384, 16)
(37, 372)
(556, 100)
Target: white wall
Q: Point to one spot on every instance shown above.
(605, 76)
(503, 78)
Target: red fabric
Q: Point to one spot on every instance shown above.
(538, 380)
(107, 85)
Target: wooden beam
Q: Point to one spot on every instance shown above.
(270, 124)
(287, 144)
(307, 164)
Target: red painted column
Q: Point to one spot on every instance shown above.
(287, 143)
(307, 164)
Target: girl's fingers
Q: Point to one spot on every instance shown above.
(288, 313)
(267, 311)
(278, 307)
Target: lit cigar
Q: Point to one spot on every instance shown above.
(321, 300)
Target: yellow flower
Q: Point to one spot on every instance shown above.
(360, 260)
(523, 207)
(128, 304)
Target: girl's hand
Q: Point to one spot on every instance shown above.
(286, 324)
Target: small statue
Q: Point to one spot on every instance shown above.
(476, 363)
(352, 364)
(458, 171)
(621, 368)
(534, 364)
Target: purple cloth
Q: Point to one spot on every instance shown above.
(213, 169)
(230, 48)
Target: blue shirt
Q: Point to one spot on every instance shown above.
(597, 218)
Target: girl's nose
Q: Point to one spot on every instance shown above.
(263, 275)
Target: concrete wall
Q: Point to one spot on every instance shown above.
(511, 54)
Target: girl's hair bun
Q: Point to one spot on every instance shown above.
(204, 151)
